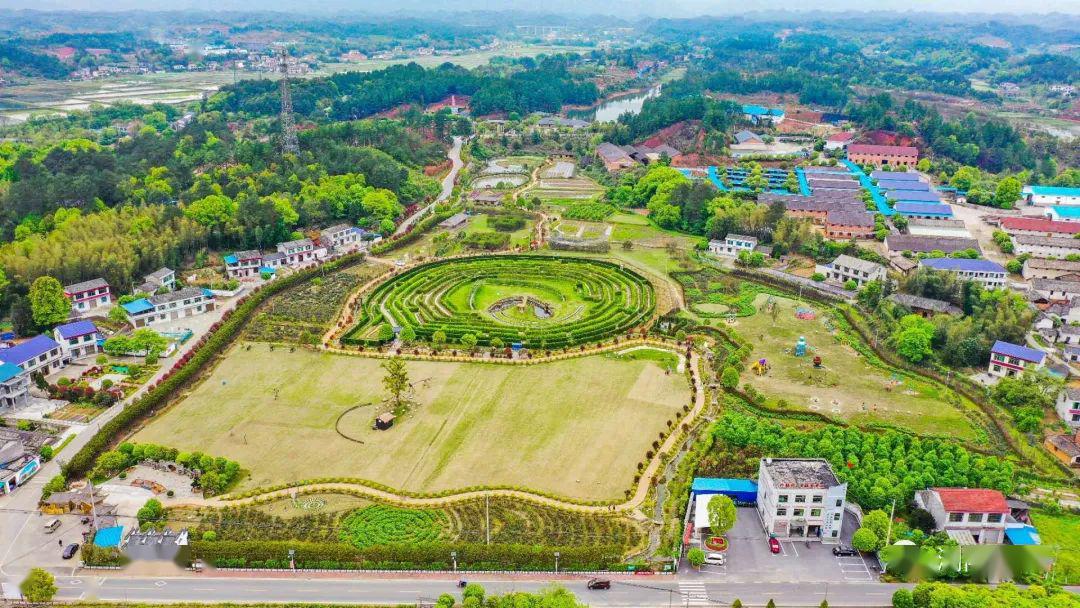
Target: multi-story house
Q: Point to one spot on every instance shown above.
(243, 264)
(340, 237)
(1045, 246)
(990, 274)
(847, 268)
(38, 354)
(88, 295)
(1008, 360)
(1068, 407)
(186, 302)
(969, 515)
(162, 278)
(300, 252)
(14, 386)
(77, 340)
(800, 499)
(732, 245)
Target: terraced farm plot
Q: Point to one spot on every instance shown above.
(847, 386)
(541, 301)
(577, 428)
(553, 185)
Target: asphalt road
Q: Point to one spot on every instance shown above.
(646, 592)
(447, 187)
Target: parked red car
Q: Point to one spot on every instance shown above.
(774, 545)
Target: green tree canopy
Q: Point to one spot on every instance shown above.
(47, 302)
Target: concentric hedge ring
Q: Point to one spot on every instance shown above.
(541, 301)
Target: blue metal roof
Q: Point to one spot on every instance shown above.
(910, 208)
(109, 537)
(907, 176)
(914, 196)
(1023, 535)
(1020, 352)
(905, 185)
(717, 484)
(9, 371)
(230, 259)
(1069, 212)
(76, 329)
(21, 353)
(755, 110)
(138, 306)
(963, 264)
(1049, 190)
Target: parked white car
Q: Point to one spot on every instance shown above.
(715, 559)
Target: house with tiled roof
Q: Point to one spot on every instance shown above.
(1065, 447)
(839, 141)
(925, 307)
(1044, 268)
(847, 268)
(88, 295)
(78, 339)
(849, 223)
(1037, 226)
(339, 237)
(971, 516)
(1056, 289)
(614, 157)
(900, 243)
(38, 354)
(884, 156)
(1008, 359)
(1045, 246)
(162, 278)
(243, 264)
(172, 306)
(1068, 407)
(301, 252)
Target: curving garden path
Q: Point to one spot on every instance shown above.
(630, 506)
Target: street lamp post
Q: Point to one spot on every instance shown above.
(556, 562)
(453, 558)
(292, 559)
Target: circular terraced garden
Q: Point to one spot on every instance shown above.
(540, 301)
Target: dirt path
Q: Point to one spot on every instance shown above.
(629, 507)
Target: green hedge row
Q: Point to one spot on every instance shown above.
(188, 367)
(421, 556)
(417, 231)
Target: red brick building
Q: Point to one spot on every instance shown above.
(891, 156)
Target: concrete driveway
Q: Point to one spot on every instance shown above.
(749, 559)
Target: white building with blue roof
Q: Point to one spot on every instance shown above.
(166, 307)
(14, 386)
(759, 114)
(78, 339)
(1008, 360)
(38, 354)
(1046, 196)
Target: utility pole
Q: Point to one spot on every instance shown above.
(892, 512)
(487, 518)
(289, 143)
(93, 506)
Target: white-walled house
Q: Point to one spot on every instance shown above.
(968, 515)
(171, 306)
(732, 245)
(1068, 407)
(847, 268)
(88, 295)
(77, 340)
(800, 498)
(300, 252)
(1008, 360)
(38, 354)
(243, 264)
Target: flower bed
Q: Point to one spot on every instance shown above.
(716, 543)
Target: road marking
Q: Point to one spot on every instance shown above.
(695, 594)
(159, 583)
(75, 581)
(203, 589)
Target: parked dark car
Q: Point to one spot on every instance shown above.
(599, 583)
(70, 551)
(844, 552)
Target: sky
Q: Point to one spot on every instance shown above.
(622, 8)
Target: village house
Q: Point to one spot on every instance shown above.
(925, 307)
(749, 138)
(614, 157)
(990, 274)
(340, 237)
(762, 115)
(186, 302)
(1045, 246)
(1008, 360)
(1065, 447)
(82, 501)
(14, 386)
(88, 295)
(1068, 334)
(838, 141)
(556, 122)
(890, 156)
(40, 353)
(1068, 407)
(300, 252)
(77, 340)
(454, 221)
(1044, 196)
(800, 499)
(732, 245)
(243, 264)
(162, 279)
(1043, 268)
(1056, 289)
(852, 223)
(1071, 353)
(971, 516)
(900, 243)
(847, 268)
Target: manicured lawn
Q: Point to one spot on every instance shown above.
(577, 427)
(847, 385)
(1062, 534)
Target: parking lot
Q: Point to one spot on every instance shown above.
(750, 560)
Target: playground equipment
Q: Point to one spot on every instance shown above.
(760, 367)
(806, 314)
(817, 361)
(800, 347)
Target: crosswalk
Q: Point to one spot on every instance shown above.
(693, 594)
